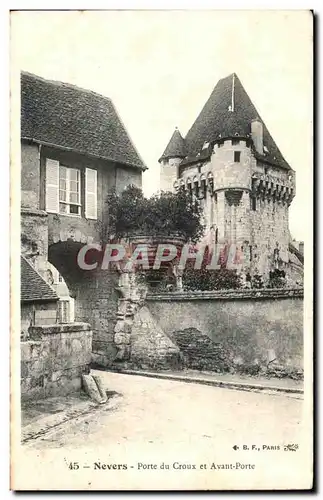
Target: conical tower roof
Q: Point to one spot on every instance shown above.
(176, 147)
(229, 112)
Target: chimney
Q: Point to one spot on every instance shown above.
(257, 134)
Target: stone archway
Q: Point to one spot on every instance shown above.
(95, 294)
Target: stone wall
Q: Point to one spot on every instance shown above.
(199, 352)
(132, 338)
(127, 176)
(96, 302)
(168, 173)
(30, 178)
(150, 347)
(95, 295)
(270, 221)
(227, 173)
(54, 359)
(37, 314)
(77, 229)
(249, 205)
(254, 328)
(34, 238)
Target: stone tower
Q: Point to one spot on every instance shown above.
(234, 167)
(170, 160)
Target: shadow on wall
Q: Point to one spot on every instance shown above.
(236, 334)
(150, 347)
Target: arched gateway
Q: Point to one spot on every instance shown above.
(74, 149)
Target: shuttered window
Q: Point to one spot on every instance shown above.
(69, 191)
(52, 183)
(63, 190)
(90, 193)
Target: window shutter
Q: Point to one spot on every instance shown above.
(52, 186)
(90, 193)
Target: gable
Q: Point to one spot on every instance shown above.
(66, 116)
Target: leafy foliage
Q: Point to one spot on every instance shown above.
(212, 279)
(277, 279)
(167, 214)
(257, 281)
(204, 279)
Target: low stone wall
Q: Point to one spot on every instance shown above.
(37, 313)
(54, 359)
(138, 340)
(199, 352)
(150, 347)
(249, 329)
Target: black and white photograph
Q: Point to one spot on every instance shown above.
(161, 276)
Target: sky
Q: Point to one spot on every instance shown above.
(160, 67)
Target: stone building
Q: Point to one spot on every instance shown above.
(229, 160)
(66, 302)
(74, 149)
(38, 301)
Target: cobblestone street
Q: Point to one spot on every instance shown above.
(152, 421)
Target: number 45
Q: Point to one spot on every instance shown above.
(73, 466)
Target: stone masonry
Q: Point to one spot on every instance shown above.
(54, 359)
(230, 163)
(138, 340)
(240, 330)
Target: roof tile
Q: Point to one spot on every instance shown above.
(67, 116)
(216, 120)
(33, 287)
(176, 147)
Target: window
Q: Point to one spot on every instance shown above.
(64, 311)
(253, 203)
(69, 191)
(63, 190)
(237, 155)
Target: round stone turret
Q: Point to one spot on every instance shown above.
(170, 160)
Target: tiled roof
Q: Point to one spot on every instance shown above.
(176, 147)
(216, 121)
(67, 116)
(33, 287)
(292, 249)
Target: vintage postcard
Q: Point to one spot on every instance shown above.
(162, 253)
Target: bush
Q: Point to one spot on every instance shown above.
(165, 214)
(277, 279)
(204, 279)
(216, 279)
(257, 281)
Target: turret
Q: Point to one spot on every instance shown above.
(170, 160)
(235, 168)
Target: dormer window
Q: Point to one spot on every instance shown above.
(237, 155)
